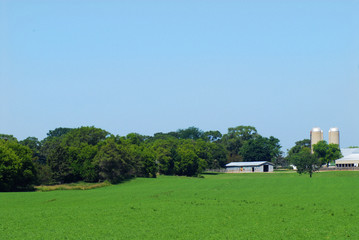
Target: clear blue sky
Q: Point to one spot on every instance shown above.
(157, 66)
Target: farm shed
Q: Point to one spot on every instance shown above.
(238, 167)
(350, 159)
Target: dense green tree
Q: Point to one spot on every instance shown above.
(212, 136)
(235, 139)
(70, 154)
(326, 152)
(17, 171)
(8, 137)
(260, 149)
(281, 161)
(166, 154)
(135, 138)
(298, 146)
(333, 153)
(320, 150)
(188, 162)
(147, 162)
(305, 161)
(115, 161)
(92, 154)
(88, 135)
(58, 159)
(58, 132)
(44, 174)
(214, 154)
(32, 142)
(190, 133)
(82, 163)
(35, 145)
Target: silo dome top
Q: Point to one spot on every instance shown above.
(316, 129)
(334, 129)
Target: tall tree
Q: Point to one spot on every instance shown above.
(58, 132)
(299, 145)
(261, 149)
(326, 153)
(190, 133)
(88, 135)
(333, 153)
(188, 162)
(306, 162)
(212, 136)
(8, 137)
(17, 171)
(235, 139)
(115, 161)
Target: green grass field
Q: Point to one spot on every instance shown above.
(225, 206)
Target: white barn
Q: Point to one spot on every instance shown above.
(238, 167)
(350, 158)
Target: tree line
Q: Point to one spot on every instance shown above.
(92, 154)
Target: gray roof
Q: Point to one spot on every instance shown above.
(349, 151)
(247, 164)
(348, 159)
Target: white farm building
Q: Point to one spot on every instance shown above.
(238, 167)
(350, 158)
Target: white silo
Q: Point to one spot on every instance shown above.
(334, 135)
(316, 135)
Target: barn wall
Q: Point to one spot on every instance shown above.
(248, 169)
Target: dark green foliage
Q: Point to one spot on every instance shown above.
(326, 152)
(17, 171)
(135, 138)
(44, 174)
(281, 162)
(213, 153)
(58, 132)
(32, 142)
(260, 149)
(165, 151)
(147, 162)
(188, 163)
(235, 139)
(190, 133)
(115, 162)
(88, 135)
(8, 137)
(306, 162)
(35, 145)
(299, 145)
(58, 160)
(91, 154)
(212, 136)
(333, 153)
(81, 158)
(320, 150)
(70, 154)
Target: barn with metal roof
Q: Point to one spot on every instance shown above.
(238, 167)
(350, 159)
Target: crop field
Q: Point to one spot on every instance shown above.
(224, 206)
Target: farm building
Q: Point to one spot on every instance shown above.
(350, 158)
(238, 167)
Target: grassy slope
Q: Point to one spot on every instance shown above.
(226, 206)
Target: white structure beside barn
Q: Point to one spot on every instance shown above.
(238, 167)
(350, 158)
